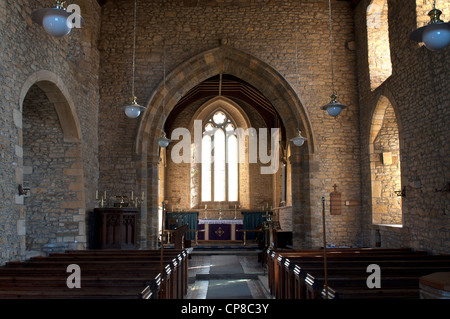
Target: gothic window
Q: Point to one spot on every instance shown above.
(379, 52)
(220, 177)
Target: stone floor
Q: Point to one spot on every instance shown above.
(226, 274)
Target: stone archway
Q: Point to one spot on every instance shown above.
(54, 218)
(385, 162)
(225, 60)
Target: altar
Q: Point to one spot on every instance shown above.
(220, 229)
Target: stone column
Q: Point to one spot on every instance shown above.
(301, 206)
(151, 219)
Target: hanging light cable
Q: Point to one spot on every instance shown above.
(299, 140)
(163, 141)
(334, 108)
(133, 110)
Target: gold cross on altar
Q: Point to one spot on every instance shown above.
(219, 232)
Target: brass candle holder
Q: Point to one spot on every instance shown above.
(100, 200)
(136, 201)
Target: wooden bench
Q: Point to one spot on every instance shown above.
(276, 262)
(399, 274)
(181, 255)
(392, 269)
(178, 265)
(104, 274)
(351, 293)
(287, 275)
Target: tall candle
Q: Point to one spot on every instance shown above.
(132, 195)
(96, 194)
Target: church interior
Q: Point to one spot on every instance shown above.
(185, 133)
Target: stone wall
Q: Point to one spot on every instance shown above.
(418, 91)
(67, 70)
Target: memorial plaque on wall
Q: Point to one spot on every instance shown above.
(335, 202)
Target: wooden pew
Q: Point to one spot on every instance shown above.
(181, 257)
(292, 267)
(354, 271)
(177, 286)
(104, 274)
(281, 268)
(351, 293)
(93, 282)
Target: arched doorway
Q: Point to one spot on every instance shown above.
(209, 64)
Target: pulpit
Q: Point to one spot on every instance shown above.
(116, 227)
(220, 229)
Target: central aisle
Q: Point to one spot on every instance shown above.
(229, 274)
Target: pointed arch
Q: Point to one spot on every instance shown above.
(385, 162)
(57, 120)
(271, 84)
(223, 59)
(58, 94)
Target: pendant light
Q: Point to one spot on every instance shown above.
(163, 141)
(133, 110)
(56, 20)
(436, 34)
(334, 108)
(299, 140)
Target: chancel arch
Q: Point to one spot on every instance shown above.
(248, 69)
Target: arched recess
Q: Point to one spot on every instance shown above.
(385, 163)
(58, 94)
(54, 218)
(225, 60)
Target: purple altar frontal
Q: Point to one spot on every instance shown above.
(220, 229)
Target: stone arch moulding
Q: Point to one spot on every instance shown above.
(225, 103)
(225, 60)
(58, 94)
(383, 98)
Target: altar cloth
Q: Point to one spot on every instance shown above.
(220, 229)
